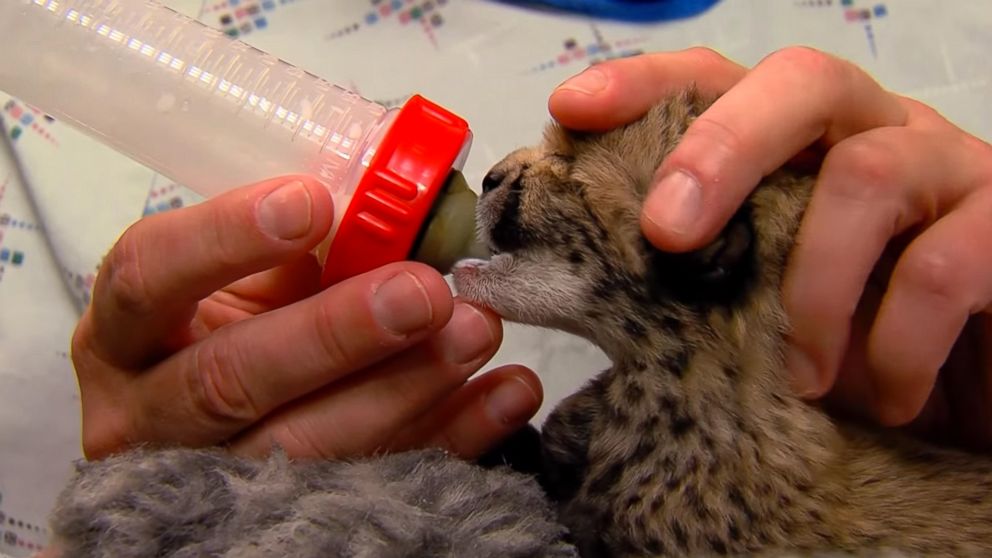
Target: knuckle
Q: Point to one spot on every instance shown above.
(808, 61)
(716, 131)
(706, 55)
(933, 272)
(705, 147)
(864, 168)
(922, 110)
(217, 388)
(80, 349)
(225, 240)
(96, 445)
(126, 284)
(79, 342)
(336, 350)
(982, 156)
(103, 433)
(922, 116)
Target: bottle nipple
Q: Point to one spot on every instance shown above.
(449, 234)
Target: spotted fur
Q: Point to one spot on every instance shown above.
(692, 443)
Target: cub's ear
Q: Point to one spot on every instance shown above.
(560, 141)
(717, 274)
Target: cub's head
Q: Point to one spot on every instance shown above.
(563, 222)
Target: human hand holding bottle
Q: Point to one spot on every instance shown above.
(208, 326)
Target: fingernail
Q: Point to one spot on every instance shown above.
(590, 82)
(511, 402)
(401, 304)
(466, 336)
(285, 212)
(676, 203)
(805, 380)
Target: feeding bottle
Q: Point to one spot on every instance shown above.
(213, 113)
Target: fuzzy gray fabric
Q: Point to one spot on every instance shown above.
(186, 503)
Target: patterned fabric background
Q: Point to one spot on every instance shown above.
(64, 199)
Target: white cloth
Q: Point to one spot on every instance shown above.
(64, 198)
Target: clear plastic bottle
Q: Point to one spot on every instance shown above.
(213, 113)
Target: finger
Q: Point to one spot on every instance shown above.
(967, 377)
(957, 411)
(149, 284)
(215, 388)
(362, 414)
(924, 117)
(51, 551)
(619, 91)
(851, 393)
(262, 292)
(479, 415)
(869, 191)
(943, 277)
(754, 129)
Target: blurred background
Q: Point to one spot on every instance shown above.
(64, 199)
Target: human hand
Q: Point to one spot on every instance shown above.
(891, 279)
(207, 326)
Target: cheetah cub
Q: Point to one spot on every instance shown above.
(692, 443)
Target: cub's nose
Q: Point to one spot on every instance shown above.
(492, 181)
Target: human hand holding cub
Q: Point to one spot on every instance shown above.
(889, 289)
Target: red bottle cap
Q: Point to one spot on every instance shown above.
(395, 195)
